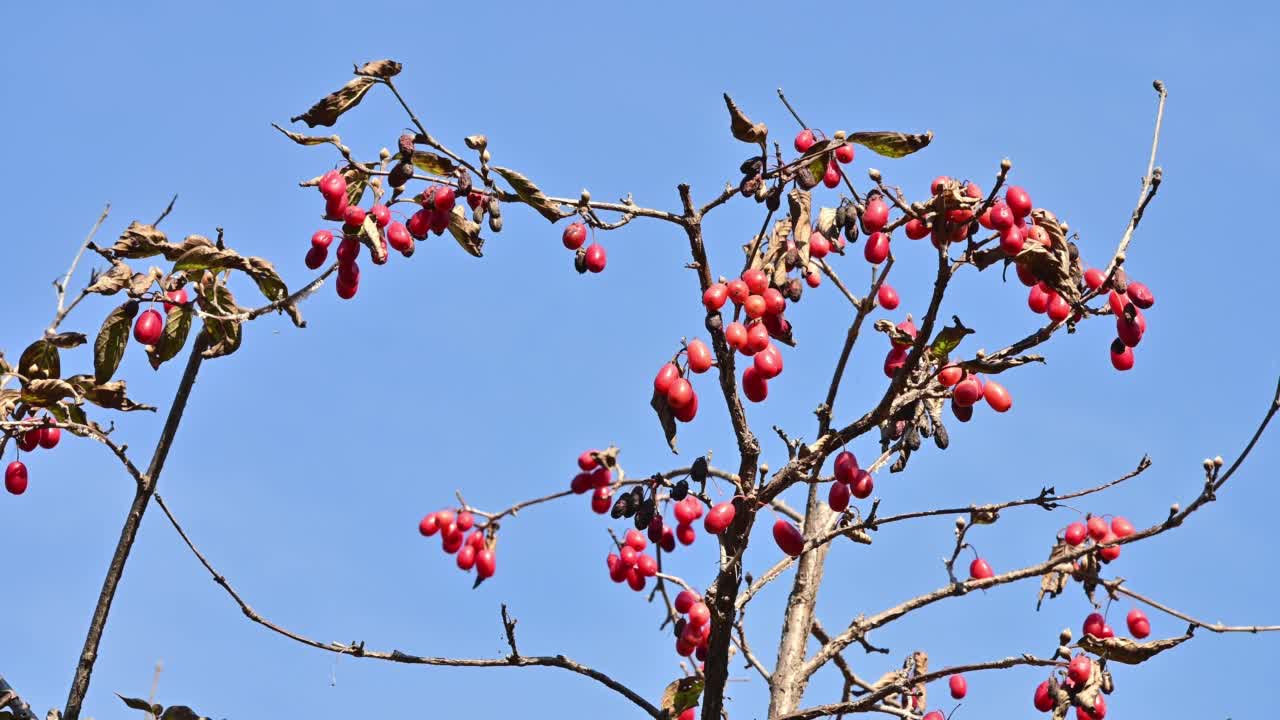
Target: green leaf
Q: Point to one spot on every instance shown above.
(430, 162)
(143, 705)
(681, 695)
(176, 327)
(948, 338)
(112, 339)
(40, 361)
(530, 194)
(327, 110)
(742, 127)
(668, 420)
(892, 144)
(466, 232)
(222, 337)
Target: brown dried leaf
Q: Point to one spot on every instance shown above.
(307, 139)
(466, 232)
(221, 337)
(110, 395)
(111, 281)
(380, 69)
(892, 144)
(1055, 581)
(40, 361)
(140, 704)
(142, 282)
(1124, 650)
(742, 127)
(140, 241)
(995, 366)
(430, 162)
(530, 194)
(208, 257)
(330, 107)
(887, 327)
(659, 405)
(67, 340)
(9, 400)
(41, 393)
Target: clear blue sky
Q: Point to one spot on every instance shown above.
(306, 460)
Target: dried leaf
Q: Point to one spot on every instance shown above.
(892, 144)
(1055, 580)
(330, 107)
(995, 366)
(380, 69)
(307, 139)
(466, 232)
(530, 194)
(742, 127)
(110, 395)
(67, 340)
(1053, 268)
(222, 337)
(111, 281)
(9, 400)
(68, 413)
(208, 257)
(142, 282)
(1124, 650)
(895, 334)
(141, 241)
(140, 704)
(112, 339)
(430, 162)
(40, 393)
(40, 361)
(182, 712)
(681, 695)
(357, 181)
(176, 327)
(659, 405)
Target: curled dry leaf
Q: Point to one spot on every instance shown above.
(110, 395)
(429, 162)
(530, 194)
(466, 231)
(140, 241)
(327, 110)
(896, 335)
(111, 281)
(140, 704)
(668, 420)
(380, 69)
(742, 127)
(1129, 652)
(67, 340)
(42, 393)
(142, 282)
(995, 366)
(371, 237)
(208, 257)
(307, 139)
(1055, 580)
(891, 144)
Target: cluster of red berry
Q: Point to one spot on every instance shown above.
(593, 258)
(1096, 529)
(1127, 300)
(692, 631)
(40, 435)
(969, 388)
(764, 307)
(473, 551)
(806, 138)
(631, 564)
(671, 384)
(850, 480)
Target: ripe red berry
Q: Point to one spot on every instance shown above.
(680, 394)
(877, 248)
(647, 565)
(754, 385)
(967, 392)
(844, 153)
(427, 526)
(1080, 668)
(979, 569)
(909, 327)
(950, 375)
(756, 281)
(888, 297)
(719, 518)
(1093, 277)
(15, 478)
(1012, 241)
(738, 291)
(934, 715)
(635, 539)
(1121, 356)
(668, 541)
(1038, 298)
(845, 466)
(863, 485)
(689, 713)
(895, 361)
(714, 297)
(29, 440)
(1042, 701)
(838, 496)
(788, 537)
(1121, 527)
(1019, 201)
(595, 258)
(581, 483)
(321, 239)
(757, 338)
(1026, 275)
(768, 362)
(804, 140)
(1075, 533)
(875, 216)
(831, 178)
(1093, 624)
(735, 334)
(49, 437)
(451, 539)
(1141, 295)
(601, 500)
(754, 306)
(574, 236)
(699, 614)
(486, 563)
(333, 185)
(1059, 308)
(1099, 709)
(381, 215)
(1038, 235)
(399, 238)
(466, 558)
(1109, 553)
(938, 184)
(474, 198)
(1001, 217)
(465, 521)
(813, 279)
(1139, 625)
(699, 356)
(444, 198)
(419, 224)
(997, 397)
(916, 229)
(667, 376)
(688, 412)
(353, 216)
(959, 686)
(1130, 332)
(1097, 528)
(774, 303)
(149, 327)
(819, 245)
(685, 534)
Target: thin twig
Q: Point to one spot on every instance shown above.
(66, 279)
(1212, 627)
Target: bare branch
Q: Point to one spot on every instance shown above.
(1118, 587)
(62, 286)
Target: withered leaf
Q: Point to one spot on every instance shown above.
(176, 327)
(110, 395)
(607, 457)
(331, 106)
(466, 232)
(40, 393)
(1051, 267)
(681, 695)
(208, 257)
(111, 281)
(1055, 580)
(357, 181)
(69, 413)
(140, 241)
(742, 127)
(430, 162)
(995, 366)
(221, 336)
(40, 361)
(112, 339)
(1124, 650)
(895, 334)
(380, 69)
(9, 400)
(142, 282)
(371, 238)
(140, 704)
(306, 139)
(827, 222)
(67, 340)
(668, 420)
(892, 144)
(530, 194)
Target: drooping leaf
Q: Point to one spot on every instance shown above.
(110, 395)
(742, 127)
(466, 232)
(40, 361)
(111, 281)
(892, 144)
(948, 339)
(668, 420)
(143, 705)
(140, 241)
(327, 110)
(9, 400)
(307, 139)
(70, 413)
(67, 340)
(530, 194)
(176, 327)
(142, 282)
(380, 69)
(208, 257)
(41, 393)
(112, 339)
(222, 336)
(681, 695)
(1124, 650)
(1056, 579)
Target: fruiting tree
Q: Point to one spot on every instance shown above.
(814, 214)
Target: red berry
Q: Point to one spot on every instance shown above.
(875, 216)
(348, 249)
(863, 485)
(474, 198)
(699, 356)
(1059, 309)
(444, 198)
(1019, 201)
(895, 361)
(1109, 553)
(980, 570)
(486, 563)
(735, 334)
(720, 517)
(959, 686)
(888, 297)
(831, 178)
(647, 565)
(465, 521)
(963, 413)
(768, 362)
(757, 338)
(997, 397)
(909, 327)
(819, 245)
(754, 385)
(29, 440)
(685, 534)
(1080, 668)
(1141, 295)
(1026, 275)
(581, 483)
(774, 303)
(754, 306)
(844, 153)
(916, 229)
(938, 184)
(667, 376)
(846, 467)
(738, 291)
(877, 248)
(149, 327)
(838, 496)
(1038, 298)
(601, 500)
(714, 297)
(451, 539)
(950, 375)
(466, 558)
(699, 614)
(595, 259)
(1001, 217)
(15, 478)
(400, 239)
(680, 394)
(175, 298)
(1093, 624)
(1093, 277)
(668, 541)
(1012, 241)
(1121, 356)
(689, 713)
(967, 392)
(1037, 234)
(321, 239)
(687, 512)
(804, 140)
(934, 715)
(1121, 527)
(635, 539)
(813, 279)
(353, 216)
(1139, 625)
(1097, 528)
(1099, 709)
(381, 215)
(48, 437)
(1075, 533)
(756, 281)
(333, 185)
(427, 526)
(788, 537)
(1042, 701)
(688, 412)
(574, 236)
(419, 224)
(1130, 332)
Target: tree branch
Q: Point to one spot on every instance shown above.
(1117, 587)
(11, 700)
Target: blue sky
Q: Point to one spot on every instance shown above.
(306, 459)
